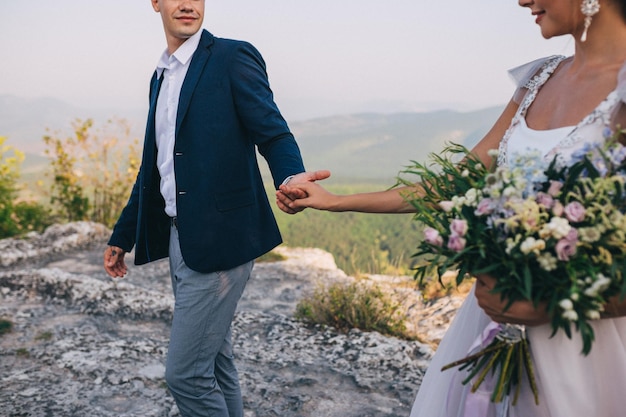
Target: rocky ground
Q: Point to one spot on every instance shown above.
(84, 345)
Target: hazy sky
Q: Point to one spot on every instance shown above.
(323, 56)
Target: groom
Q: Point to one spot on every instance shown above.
(199, 198)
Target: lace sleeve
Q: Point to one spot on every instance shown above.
(521, 76)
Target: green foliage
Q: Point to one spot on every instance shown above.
(30, 216)
(5, 326)
(354, 305)
(91, 175)
(16, 217)
(449, 173)
(90, 178)
(66, 190)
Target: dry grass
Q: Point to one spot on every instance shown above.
(271, 256)
(433, 289)
(345, 306)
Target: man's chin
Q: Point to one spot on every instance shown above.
(186, 32)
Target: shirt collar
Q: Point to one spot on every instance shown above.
(183, 54)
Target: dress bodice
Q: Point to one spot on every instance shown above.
(560, 142)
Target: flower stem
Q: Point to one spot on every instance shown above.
(498, 393)
(473, 357)
(529, 369)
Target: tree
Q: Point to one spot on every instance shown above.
(16, 217)
(91, 174)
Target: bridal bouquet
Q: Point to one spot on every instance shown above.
(553, 233)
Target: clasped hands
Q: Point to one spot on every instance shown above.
(295, 196)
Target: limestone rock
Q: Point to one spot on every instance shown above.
(85, 345)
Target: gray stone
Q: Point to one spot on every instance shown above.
(85, 345)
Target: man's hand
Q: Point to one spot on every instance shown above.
(114, 263)
(289, 193)
(519, 312)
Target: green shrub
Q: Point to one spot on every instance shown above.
(44, 336)
(22, 352)
(5, 326)
(91, 175)
(354, 305)
(17, 217)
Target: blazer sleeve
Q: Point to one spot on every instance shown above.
(125, 228)
(260, 115)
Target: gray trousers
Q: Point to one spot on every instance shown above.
(200, 370)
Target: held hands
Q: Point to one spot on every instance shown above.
(114, 263)
(297, 195)
(519, 312)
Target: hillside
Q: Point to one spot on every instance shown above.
(371, 146)
(24, 121)
(356, 147)
(364, 152)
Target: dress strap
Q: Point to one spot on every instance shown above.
(532, 83)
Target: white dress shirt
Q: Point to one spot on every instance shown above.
(174, 69)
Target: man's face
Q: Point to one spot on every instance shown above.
(181, 19)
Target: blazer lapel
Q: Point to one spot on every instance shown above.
(150, 140)
(155, 86)
(198, 61)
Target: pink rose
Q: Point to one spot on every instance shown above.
(574, 212)
(484, 207)
(572, 235)
(458, 227)
(566, 248)
(555, 188)
(545, 200)
(433, 237)
(456, 243)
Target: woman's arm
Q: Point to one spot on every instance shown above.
(293, 198)
(313, 195)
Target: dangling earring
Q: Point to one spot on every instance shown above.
(589, 9)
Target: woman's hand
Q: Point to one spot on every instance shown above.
(615, 307)
(291, 191)
(519, 312)
(292, 198)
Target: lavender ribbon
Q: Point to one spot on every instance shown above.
(479, 404)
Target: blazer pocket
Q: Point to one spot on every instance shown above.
(235, 199)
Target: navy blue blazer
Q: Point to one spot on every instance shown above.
(226, 111)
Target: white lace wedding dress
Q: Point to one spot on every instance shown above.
(570, 384)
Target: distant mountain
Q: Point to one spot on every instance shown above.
(24, 121)
(377, 146)
(359, 147)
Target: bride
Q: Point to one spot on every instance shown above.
(560, 104)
